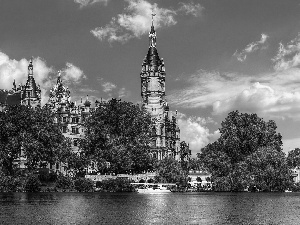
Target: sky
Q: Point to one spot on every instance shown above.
(220, 56)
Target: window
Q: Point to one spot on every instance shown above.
(64, 119)
(57, 166)
(64, 129)
(75, 142)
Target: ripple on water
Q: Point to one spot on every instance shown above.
(133, 208)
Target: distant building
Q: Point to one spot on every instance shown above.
(71, 115)
(296, 174)
(28, 94)
(199, 177)
(166, 133)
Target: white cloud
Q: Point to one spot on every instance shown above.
(123, 93)
(272, 95)
(290, 144)
(11, 69)
(136, 20)
(204, 88)
(194, 132)
(45, 76)
(288, 56)
(263, 99)
(191, 9)
(72, 74)
(252, 47)
(84, 3)
(108, 86)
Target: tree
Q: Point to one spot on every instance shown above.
(198, 179)
(119, 133)
(32, 184)
(242, 136)
(169, 171)
(77, 164)
(32, 133)
(83, 185)
(293, 158)
(269, 170)
(196, 164)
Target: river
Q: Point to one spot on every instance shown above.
(134, 208)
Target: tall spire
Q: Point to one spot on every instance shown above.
(152, 34)
(59, 78)
(30, 68)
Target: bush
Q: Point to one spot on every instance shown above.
(32, 184)
(64, 182)
(150, 180)
(115, 185)
(83, 185)
(11, 184)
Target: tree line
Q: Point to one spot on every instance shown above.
(117, 139)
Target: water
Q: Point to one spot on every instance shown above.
(134, 208)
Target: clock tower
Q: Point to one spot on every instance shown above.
(165, 142)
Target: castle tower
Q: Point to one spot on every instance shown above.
(30, 92)
(153, 98)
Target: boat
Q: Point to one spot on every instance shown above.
(152, 188)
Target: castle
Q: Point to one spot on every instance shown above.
(71, 116)
(166, 138)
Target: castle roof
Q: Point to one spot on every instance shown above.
(152, 57)
(30, 84)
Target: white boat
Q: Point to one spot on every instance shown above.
(152, 188)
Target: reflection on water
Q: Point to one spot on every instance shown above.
(134, 208)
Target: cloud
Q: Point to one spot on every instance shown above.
(108, 86)
(191, 9)
(136, 20)
(206, 87)
(252, 47)
(288, 56)
(84, 3)
(11, 69)
(123, 93)
(194, 132)
(272, 95)
(72, 74)
(45, 76)
(263, 99)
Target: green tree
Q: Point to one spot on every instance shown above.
(169, 171)
(77, 164)
(198, 179)
(196, 164)
(119, 133)
(32, 183)
(64, 182)
(269, 170)
(242, 136)
(83, 185)
(293, 158)
(32, 133)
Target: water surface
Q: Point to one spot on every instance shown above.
(134, 208)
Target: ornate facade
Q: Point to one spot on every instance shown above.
(166, 133)
(70, 116)
(28, 94)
